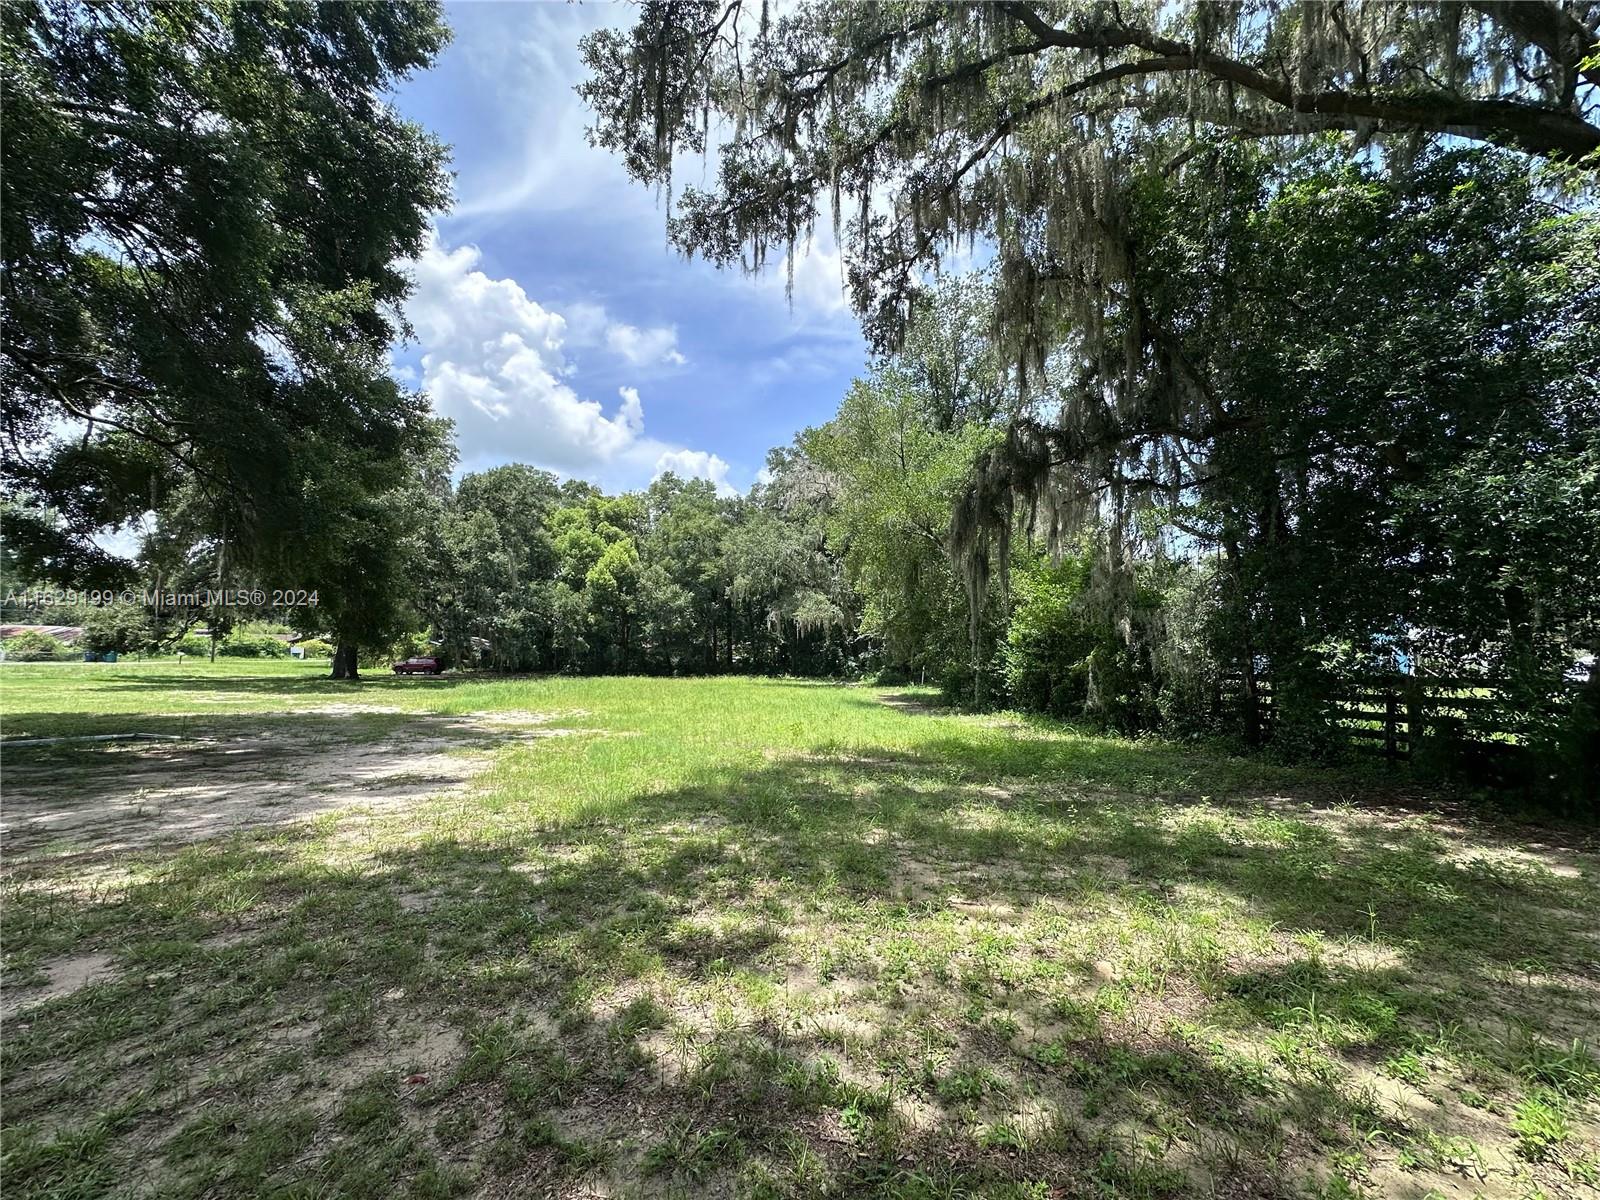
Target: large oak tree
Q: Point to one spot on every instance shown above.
(205, 205)
(1242, 268)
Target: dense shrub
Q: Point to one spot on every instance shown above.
(1045, 659)
(118, 628)
(33, 646)
(316, 648)
(412, 645)
(253, 645)
(1063, 657)
(194, 644)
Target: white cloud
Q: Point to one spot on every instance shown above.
(696, 464)
(492, 360)
(586, 323)
(819, 288)
(542, 162)
(127, 539)
(530, 65)
(632, 412)
(590, 325)
(645, 347)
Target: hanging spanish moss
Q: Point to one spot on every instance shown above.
(1021, 138)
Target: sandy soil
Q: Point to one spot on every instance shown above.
(63, 976)
(116, 797)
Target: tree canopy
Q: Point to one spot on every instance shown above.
(924, 126)
(1282, 324)
(207, 208)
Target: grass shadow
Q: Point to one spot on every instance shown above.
(974, 967)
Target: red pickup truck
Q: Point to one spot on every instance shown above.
(419, 666)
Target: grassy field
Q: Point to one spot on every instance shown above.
(756, 937)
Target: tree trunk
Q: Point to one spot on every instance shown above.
(344, 661)
(1247, 663)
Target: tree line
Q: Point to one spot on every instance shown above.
(1278, 365)
(1271, 361)
(512, 569)
(674, 579)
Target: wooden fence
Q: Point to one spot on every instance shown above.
(1391, 714)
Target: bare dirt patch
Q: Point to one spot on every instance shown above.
(108, 800)
(65, 976)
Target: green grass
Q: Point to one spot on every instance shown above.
(760, 937)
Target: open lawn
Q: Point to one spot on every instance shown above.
(756, 937)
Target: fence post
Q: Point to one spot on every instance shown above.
(1390, 749)
(1416, 722)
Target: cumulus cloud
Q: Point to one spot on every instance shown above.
(819, 287)
(591, 326)
(632, 411)
(492, 360)
(645, 347)
(696, 464)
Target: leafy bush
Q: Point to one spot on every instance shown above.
(408, 645)
(1047, 649)
(119, 628)
(253, 645)
(411, 645)
(32, 646)
(194, 644)
(316, 648)
(1064, 657)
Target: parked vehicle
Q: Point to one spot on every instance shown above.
(419, 666)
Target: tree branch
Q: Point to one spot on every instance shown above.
(1536, 128)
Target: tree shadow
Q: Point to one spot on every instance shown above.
(279, 684)
(860, 972)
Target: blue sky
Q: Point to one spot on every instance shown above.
(553, 322)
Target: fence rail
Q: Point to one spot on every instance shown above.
(1391, 714)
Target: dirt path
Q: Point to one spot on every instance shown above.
(117, 797)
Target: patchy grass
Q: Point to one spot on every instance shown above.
(750, 937)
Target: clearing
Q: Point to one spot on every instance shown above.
(757, 937)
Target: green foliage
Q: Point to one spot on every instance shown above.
(1347, 382)
(366, 535)
(1064, 657)
(1051, 637)
(411, 645)
(922, 130)
(32, 646)
(120, 628)
(896, 476)
(202, 272)
(493, 558)
(207, 207)
(252, 644)
(1542, 1124)
(673, 579)
(315, 648)
(1412, 462)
